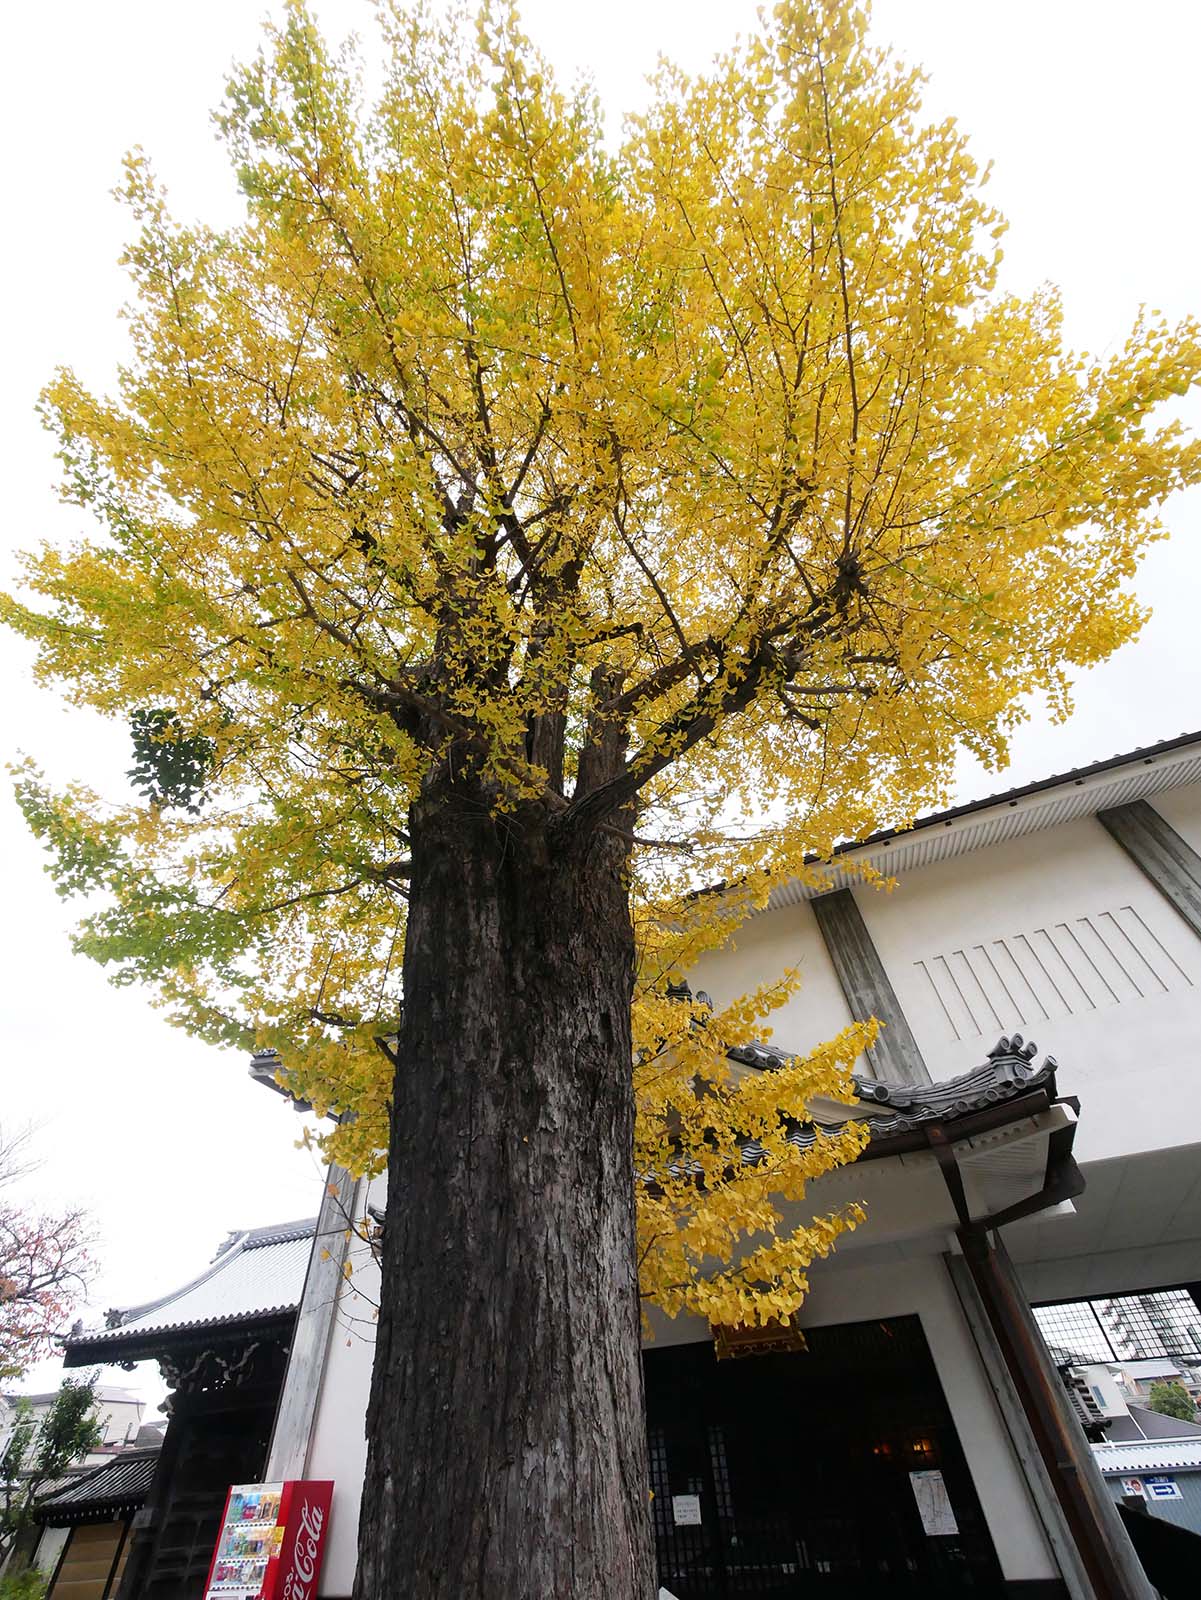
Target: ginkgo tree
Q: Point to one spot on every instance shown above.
(503, 534)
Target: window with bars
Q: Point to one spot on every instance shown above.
(1162, 1324)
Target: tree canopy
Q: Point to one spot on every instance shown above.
(700, 485)
(42, 1447)
(1172, 1399)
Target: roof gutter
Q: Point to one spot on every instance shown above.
(1062, 1179)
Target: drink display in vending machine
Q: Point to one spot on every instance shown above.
(271, 1541)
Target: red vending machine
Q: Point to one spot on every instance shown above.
(271, 1541)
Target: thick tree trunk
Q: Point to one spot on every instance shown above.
(506, 1439)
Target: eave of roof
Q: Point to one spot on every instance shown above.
(1005, 1090)
(1152, 1455)
(1145, 755)
(114, 1486)
(115, 1346)
(1012, 813)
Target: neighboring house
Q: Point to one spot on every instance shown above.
(119, 1415)
(1145, 1339)
(1164, 1474)
(119, 1418)
(85, 1544)
(1138, 1377)
(1122, 1404)
(1177, 1328)
(1102, 1382)
(923, 1441)
(1122, 1421)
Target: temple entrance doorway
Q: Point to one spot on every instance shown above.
(833, 1470)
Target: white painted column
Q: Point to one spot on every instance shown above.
(296, 1413)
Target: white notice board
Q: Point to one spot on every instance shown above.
(933, 1503)
(686, 1510)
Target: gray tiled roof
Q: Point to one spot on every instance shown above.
(256, 1274)
(118, 1485)
(895, 1112)
(1142, 1424)
(892, 1110)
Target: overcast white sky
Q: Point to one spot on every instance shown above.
(1088, 109)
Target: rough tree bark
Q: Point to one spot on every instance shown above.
(506, 1439)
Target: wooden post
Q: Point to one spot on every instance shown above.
(1113, 1568)
(1159, 852)
(895, 1057)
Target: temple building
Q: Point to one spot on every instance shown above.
(933, 1435)
(221, 1342)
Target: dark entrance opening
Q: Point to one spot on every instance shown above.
(800, 1468)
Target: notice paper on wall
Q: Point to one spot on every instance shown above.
(686, 1510)
(933, 1503)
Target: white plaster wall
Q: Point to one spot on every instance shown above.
(338, 1448)
(1133, 1059)
(1182, 809)
(120, 1419)
(765, 948)
(1105, 1389)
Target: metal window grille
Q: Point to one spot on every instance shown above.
(1164, 1324)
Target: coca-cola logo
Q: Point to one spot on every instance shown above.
(299, 1583)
